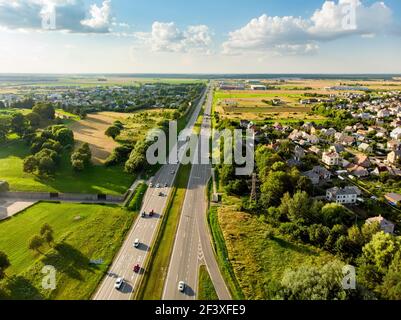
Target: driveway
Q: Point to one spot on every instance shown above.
(10, 207)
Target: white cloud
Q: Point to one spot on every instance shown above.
(167, 37)
(70, 15)
(332, 21)
(100, 16)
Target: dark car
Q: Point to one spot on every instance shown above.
(137, 268)
(151, 213)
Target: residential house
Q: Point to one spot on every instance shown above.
(299, 153)
(358, 171)
(393, 198)
(345, 195)
(316, 150)
(385, 225)
(364, 147)
(331, 158)
(363, 161)
(394, 145)
(384, 113)
(393, 157)
(318, 175)
(396, 134)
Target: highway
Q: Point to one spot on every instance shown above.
(144, 229)
(193, 243)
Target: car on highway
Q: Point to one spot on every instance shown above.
(151, 185)
(136, 243)
(137, 268)
(151, 213)
(158, 186)
(181, 286)
(172, 172)
(161, 194)
(119, 283)
(166, 185)
(143, 214)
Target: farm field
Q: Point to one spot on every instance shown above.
(259, 262)
(92, 129)
(66, 180)
(81, 233)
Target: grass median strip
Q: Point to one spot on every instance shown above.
(153, 282)
(206, 288)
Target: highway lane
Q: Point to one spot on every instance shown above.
(193, 243)
(144, 229)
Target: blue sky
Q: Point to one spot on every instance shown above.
(181, 36)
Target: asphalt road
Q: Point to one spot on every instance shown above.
(144, 229)
(193, 246)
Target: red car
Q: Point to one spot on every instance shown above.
(137, 268)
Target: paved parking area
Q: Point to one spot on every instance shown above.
(10, 207)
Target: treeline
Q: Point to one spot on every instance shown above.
(25, 125)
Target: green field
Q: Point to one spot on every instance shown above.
(258, 259)
(82, 233)
(95, 179)
(153, 283)
(206, 289)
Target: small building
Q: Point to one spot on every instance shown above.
(393, 157)
(299, 153)
(396, 134)
(258, 87)
(393, 198)
(346, 195)
(331, 158)
(364, 147)
(385, 225)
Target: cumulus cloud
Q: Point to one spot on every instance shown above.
(167, 37)
(332, 21)
(68, 15)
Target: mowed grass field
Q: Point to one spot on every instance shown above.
(82, 233)
(259, 261)
(94, 179)
(250, 105)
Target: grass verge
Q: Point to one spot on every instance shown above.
(222, 256)
(153, 282)
(206, 289)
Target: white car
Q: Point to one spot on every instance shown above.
(151, 185)
(119, 283)
(158, 186)
(181, 286)
(136, 243)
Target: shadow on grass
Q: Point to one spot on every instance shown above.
(290, 246)
(20, 288)
(68, 260)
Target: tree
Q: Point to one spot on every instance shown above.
(30, 164)
(4, 264)
(113, 132)
(46, 228)
(333, 213)
(46, 165)
(369, 230)
(44, 110)
(381, 250)
(314, 283)
(4, 128)
(2, 105)
(391, 287)
(65, 136)
(46, 231)
(296, 208)
(19, 124)
(33, 119)
(77, 164)
(35, 243)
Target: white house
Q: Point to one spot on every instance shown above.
(346, 195)
(331, 158)
(396, 133)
